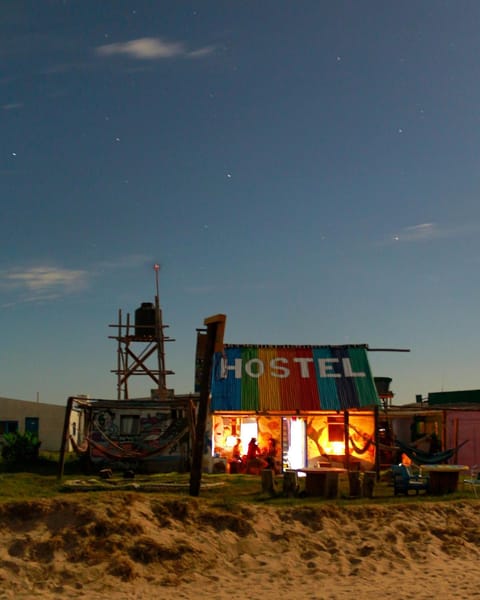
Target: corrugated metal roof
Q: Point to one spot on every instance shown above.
(303, 346)
(292, 377)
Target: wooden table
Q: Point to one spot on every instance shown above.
(442, 479)
(322, 482)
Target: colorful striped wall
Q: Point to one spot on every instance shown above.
(286, 378)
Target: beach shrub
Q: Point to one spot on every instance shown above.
(19, 448)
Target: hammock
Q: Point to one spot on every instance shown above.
(365, 436)
(421, 457)
(359, 450)
(79, 449)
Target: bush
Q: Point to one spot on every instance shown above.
(20, 447)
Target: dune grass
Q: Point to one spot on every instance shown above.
(40, 480)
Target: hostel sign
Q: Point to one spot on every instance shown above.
(292, 378)
(282, 368)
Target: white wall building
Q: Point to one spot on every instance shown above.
(46, 421)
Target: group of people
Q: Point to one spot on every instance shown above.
(256, 457)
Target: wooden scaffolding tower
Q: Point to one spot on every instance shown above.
(141, 344)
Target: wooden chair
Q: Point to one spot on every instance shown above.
(404, 480)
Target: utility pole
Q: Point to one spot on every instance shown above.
(162, 384)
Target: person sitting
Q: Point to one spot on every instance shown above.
(236, 464)
(253, 449)
(237, 451)
(254, 462)
(271, 456)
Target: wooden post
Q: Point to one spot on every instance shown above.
(119, 355)
(215, 329)
(354, 484)
(268, 482)
(290, 483)
(455, 441)
(377, 445)
(66, 427)
(444, 429)
(368, 484)
(346, 439)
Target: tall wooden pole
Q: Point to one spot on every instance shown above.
(346, 439)
(215, 329)
(377, 442)
(162, 383)
(119, 356)
(65, 434)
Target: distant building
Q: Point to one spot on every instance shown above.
(144, 434)
(461, 414)
(43, 420)
(453, 418)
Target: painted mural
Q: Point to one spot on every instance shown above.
(326, 440)
(135, 437)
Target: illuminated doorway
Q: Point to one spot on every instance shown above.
(294, 443)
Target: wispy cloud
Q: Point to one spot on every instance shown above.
(47, 282)
(424, 232)
(12, 106)
(416, 233)
(42, 278)
(201, 52)
(40, 283)
(152, 49)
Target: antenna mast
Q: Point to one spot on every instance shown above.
(162, 383)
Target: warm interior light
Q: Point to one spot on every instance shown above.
(248, 430)
(335, 448)
(296, 450)
(231, 441)
(336, 429)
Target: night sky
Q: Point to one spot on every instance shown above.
(308, 168)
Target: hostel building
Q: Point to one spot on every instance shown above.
(318, 403)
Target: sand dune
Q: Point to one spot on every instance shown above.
(135, 546)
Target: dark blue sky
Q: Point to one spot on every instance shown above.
(308, 168)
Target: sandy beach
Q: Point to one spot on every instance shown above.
(134, 546)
